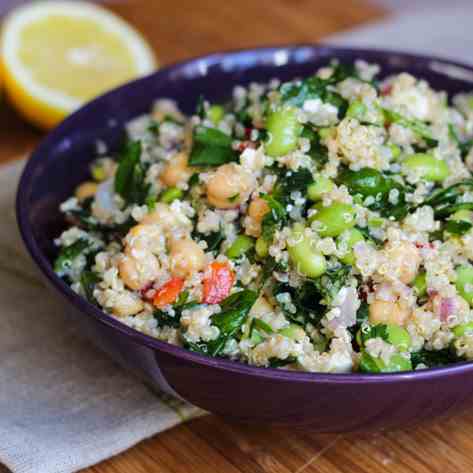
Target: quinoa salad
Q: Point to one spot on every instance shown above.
(323, 224)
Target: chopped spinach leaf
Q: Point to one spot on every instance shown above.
(278, 363)
(130, 176)
(165, 319)
(296, 93)
(260, 325)
(330, 283)
(273, 220)
(457, 227)
(318, 152)
(306, 299)
(213, 240)
(68, 254)
(369, 182)
(229, 321)
(88, 280)
(211, 147)
(417, 126)
(433, 358)
(464, 146)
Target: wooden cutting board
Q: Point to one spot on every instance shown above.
(185, 28)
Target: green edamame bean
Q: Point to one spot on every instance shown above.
(170, 194)
(395, 151)
(334, 219)
(261, 247)
(347, 240)
(462, 216)
(464, 282)
(240, 246)
(215, 114)
(357, 110)
(307, 260)
(399, 337)
(283, 131)
(397, 362)
(420, 284)
(427, 166)
(366, 181)
(320, 186)
(293, 331)
(462, 329)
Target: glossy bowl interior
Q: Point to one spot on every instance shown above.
(323, 402)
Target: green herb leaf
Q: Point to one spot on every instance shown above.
(417, 126)
(431, 359)
(330, 283)
(369, 182)
(213, 240)
(457, 227)
(260, 325)
(235, 310)
(165, 319)
(211, 147)
(130, 176)
(465, 146)
(88, 281)
(307, 301)
(278, 363)
(447, 201)
(318, 152)
(68, 254)
(273, 220)
(296, 93)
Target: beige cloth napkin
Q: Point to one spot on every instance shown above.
(63, 405)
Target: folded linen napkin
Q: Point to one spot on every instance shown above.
(63, 405)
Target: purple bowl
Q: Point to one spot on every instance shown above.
(321, 402)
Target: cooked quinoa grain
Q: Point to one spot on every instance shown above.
(323, 224)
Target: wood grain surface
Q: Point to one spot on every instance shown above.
(180, 29)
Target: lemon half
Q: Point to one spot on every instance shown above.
(57, 55)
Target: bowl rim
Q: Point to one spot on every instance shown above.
(90, 310)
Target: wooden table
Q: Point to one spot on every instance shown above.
(180, 29)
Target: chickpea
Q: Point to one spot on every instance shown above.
(187, 257)
(426, 166)
(138, 273)
(86, 190)
(257, 210)
(176, 171)
(229, 186)
(405, 258)
(127, 304)
(387, 312)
